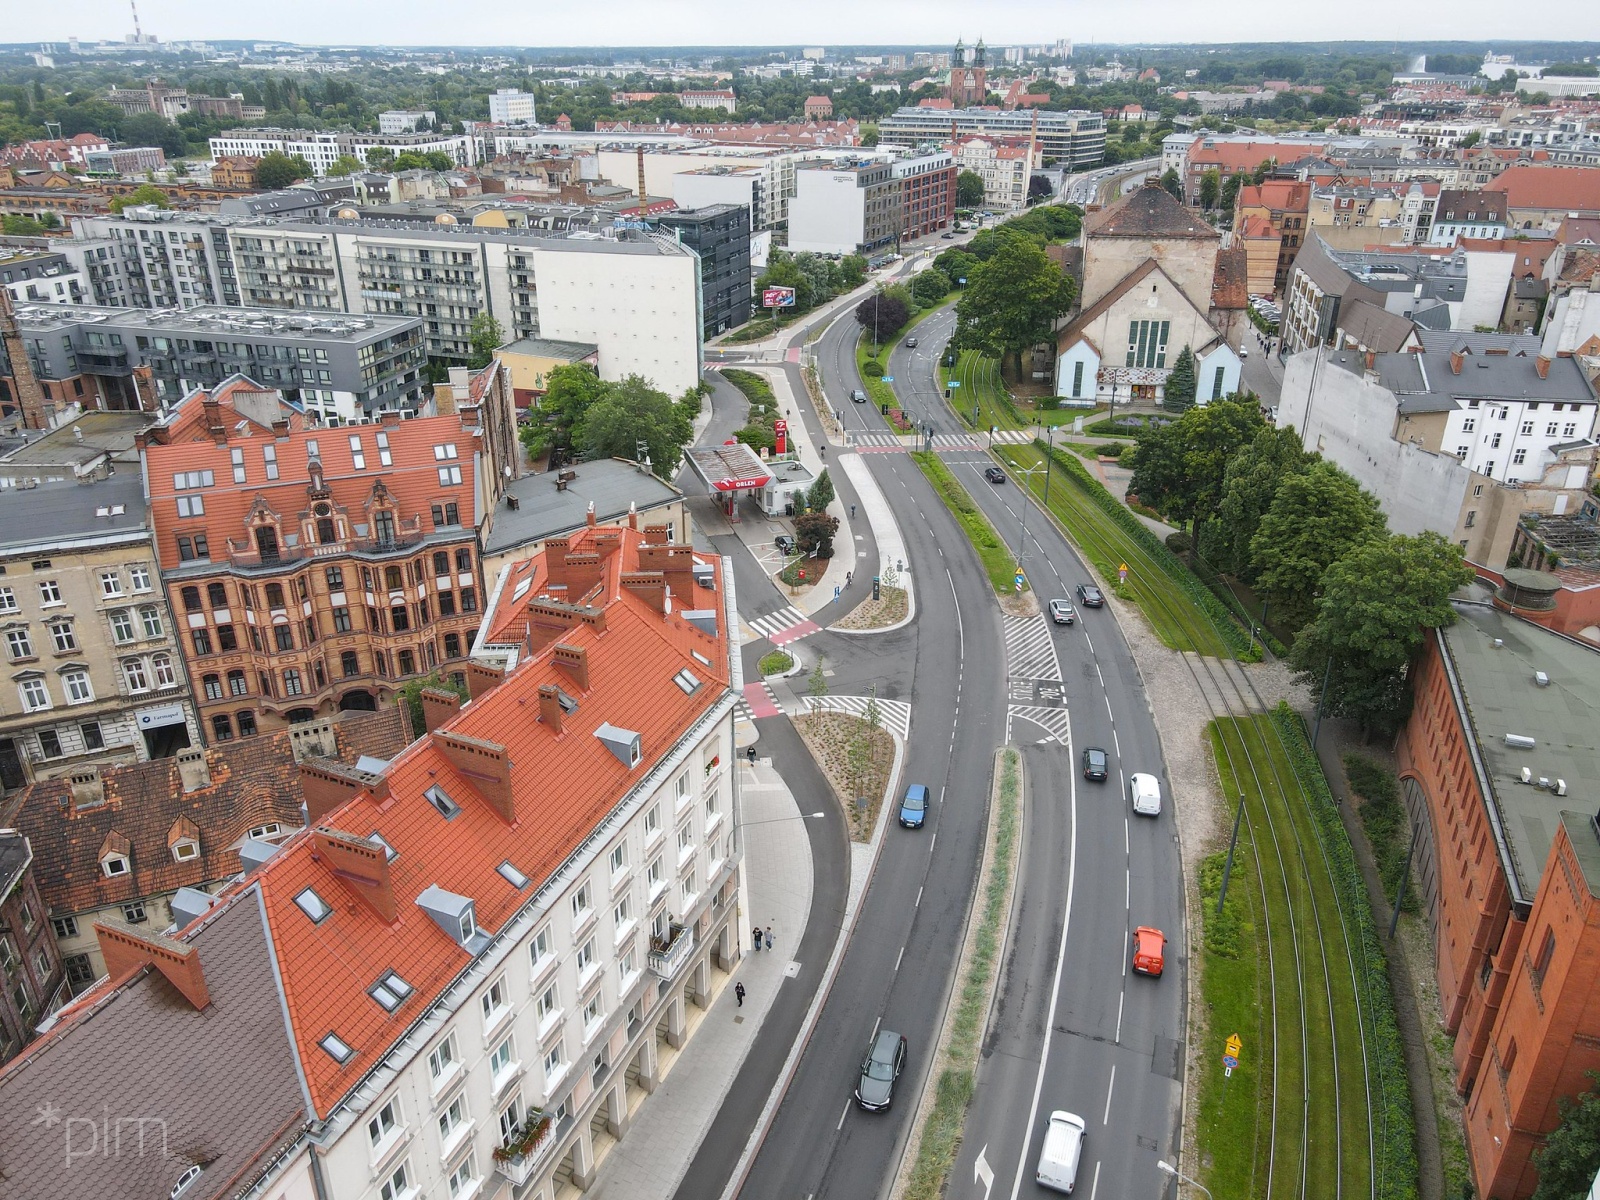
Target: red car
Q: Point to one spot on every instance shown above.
(1149, 950)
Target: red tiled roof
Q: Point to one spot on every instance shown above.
(1278, 195)
(562, 785)
(1247, 156)
(1576, 189)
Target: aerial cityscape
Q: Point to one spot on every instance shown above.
(994, 609)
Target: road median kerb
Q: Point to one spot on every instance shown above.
(998, 922)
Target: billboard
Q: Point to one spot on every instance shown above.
(777, 297)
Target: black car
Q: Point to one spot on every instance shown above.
(1089, 596)
(996, 475)
(1094, 764)
(886, 1058)
(785, 543)
(858, 396)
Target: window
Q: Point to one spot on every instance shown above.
(77, 686)
(191, 506)
(274, 595)
(619, 858)
(446, 514)
(202, 640)
(65, 927)
(1570, 429)
(442, 1059)
(165, 676)
(1541, 961)
(49, 592)
(591, 1012)
(468, 926)
(341, 620)
(114, 865)
(510, 1120)
(282, 637)
(222, 727)
(50, 743)
(150, 618)
(452, 645)
(140, 578)
(685, 840)
(8, 598)
(35, 695)
(500, 1057)
(93, 739)
(445, 451)
(398, 1185)
(314, 906)
(493, 1002)
(407, 663)
(189, 1175)
(247, 723)
(1527, 427)
(1469, 425)
(447, 604)
(193, 546)
(349, 663)
(464, 559)
(539, 949)
(1518, 457)
(512, 876)
(582, 902)
(452, 1118)
(1472, 518)
(1147, 343)
(390, 991)
(554, 1060)
(213, 686)
(110, 583)
(1509, 1058)
(291, 683)
(19, 644)
(548, 1004)
(80, 971)
(1494, 442)
(1216, 383)
(436, 796)
(652, 819)
(133, 913)
(1550, 429)
(584, 959)
(622, 914)
(653, 875)
(358, 456)
(449, 476)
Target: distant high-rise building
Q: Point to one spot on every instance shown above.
(508, 106)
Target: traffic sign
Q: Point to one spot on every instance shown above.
(955, 383)
(1234, 1045)
(888, 378)
(1229, 1061)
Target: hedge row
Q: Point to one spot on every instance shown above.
(1201, 596)
(1394, 1165)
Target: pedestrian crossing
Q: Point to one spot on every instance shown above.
(1055, 722)
(757, 702)
(784, 626)
(881, 441)
(893, 715)
(1030, 650)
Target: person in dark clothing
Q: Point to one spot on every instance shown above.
(758, 937)
(738, 993)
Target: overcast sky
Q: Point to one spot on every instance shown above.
(786, 22)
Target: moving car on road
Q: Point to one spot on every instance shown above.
(1094, 764)
(1061, 612)
(994, 474)
(1149, 950)
(1145, 792)
(914, 808)
(1061, 1152)
(858, 396)
(886, 1058)
(1089, 596)
(911, 342)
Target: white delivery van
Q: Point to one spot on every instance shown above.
(1063, 1147)
(1145, 792)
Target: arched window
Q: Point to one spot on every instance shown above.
(191, 599)
(441, 562)
(267, 543)
(349, 663)
(222, 727)
(237, 685)
(166, 675)
(213, 687)
(392, 578)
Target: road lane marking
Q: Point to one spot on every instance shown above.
(898, 958)
(1095, 1187)
(1110, 1087)
(918, 903)
(983, 1173)
(934, 841)
(874, 1035)
(1115, 741)
(842, 1116)
(1120, 999)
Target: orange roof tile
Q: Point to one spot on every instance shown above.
(1576, 189)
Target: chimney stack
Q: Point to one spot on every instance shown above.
(215, 429)
(127, 950)
(438, 707)
(574, 660)
(1542, 365)
(550, 712)
(1457, 360)
(362, 865)
(1371, 360)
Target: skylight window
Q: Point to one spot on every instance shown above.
(444, 452)
(384, 456)
(521, 590)
(700, 658)
(358, 456)
(389, 852)
(447, 807)
(390, 991)
(337, 1048)
(314, 906)
(688, 681)
(512, 876)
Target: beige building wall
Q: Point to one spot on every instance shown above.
(1191, 263)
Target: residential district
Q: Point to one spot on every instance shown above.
(485, 716)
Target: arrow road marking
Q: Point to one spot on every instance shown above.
(983, 1173)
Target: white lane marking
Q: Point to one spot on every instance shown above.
(1120, 999)
(918, 903)
(902, 954)
(1127, 891)
(1110, 1087)
(983, 1173)
(1115, 741)
(1095, 1187)
(874, 1034)
(1109, 713)
(934, 841)
(1055, 986)
(842, 1116)
(1125, 848)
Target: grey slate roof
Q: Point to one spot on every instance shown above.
(1426, 383)
(29, 515)
(543, 512)
(1374, 327)
(1512, 343)
(1149, 211)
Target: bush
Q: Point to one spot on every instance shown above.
(872, 367)
(1384, 819)
(1223, 932)
(1111, 449)
(776, 663)
(1123, 427)
(1180, 542)
(757, 437)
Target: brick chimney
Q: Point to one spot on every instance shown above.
(127, 950)
(482, 678)
(327, 783)
(550, 712)
(438, 707)
(1371, 360)
(1457, 360)
(574, 660)
(212, 408)
(1542, 365)
(657, 535)
(485, 766)
(280, 429)
(362, 865)
(649, 586)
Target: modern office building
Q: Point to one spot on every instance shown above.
(508, 106)
(720, 236)
(1075, 140)
(849, 206)
(927, 191)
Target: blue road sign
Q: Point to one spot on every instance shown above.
(1229, 1061)
(888, 378)
(954, 383)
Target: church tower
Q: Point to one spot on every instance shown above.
(978, 89)
(956, 90)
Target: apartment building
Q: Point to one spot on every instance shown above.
(314, 570)
(1470, 214)
(91, 649)
(1356, 217)
(761, 176)
(477, 964)
(850, 206)
(406, 121)
(127, 160)
(927, 191)
(720, 237)
(323, 149)
(1075, 139)
(1270, 220)
(337, 367)
(1005, 166)
(42, 277)
(508, 106)
(722, 100)
(165, 258)
(30, 962)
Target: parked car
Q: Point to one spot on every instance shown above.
(994, 474)
(1062, 613)
(858, 396)
(785, 543)
(1095, 762)
(1061, 1152)
(1149, 950)
(1089, 596)
(911, 342)
(886, 1058)
(948, 236)
(1145, 793)
(914, 808)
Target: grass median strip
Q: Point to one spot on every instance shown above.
(940, 1136)
(998, 561)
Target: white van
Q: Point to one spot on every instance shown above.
(1145, 792)
(1063, 1147)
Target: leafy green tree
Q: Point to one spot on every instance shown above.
(1178, 394)
(1377, 604)
(783, 272)
(1173, 183)
(821, 493)
(1230, 191)
(957, 265)
(145, 193)
(882, 315)
(849, 273)
(569, 393)
(969, 190)
(346, 164)
(869, 133)
(379, 158)
(630, 412)
(1012, 303)
(486, 337)
(930, 286)
(1316, 518)
(1178, 469)
(1248, 487)
(1210, 188)
(814, 532)
(279, 170)
(818, 272)
(1570, 1156)
(1039, 189)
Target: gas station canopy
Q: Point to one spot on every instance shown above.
(730, 468)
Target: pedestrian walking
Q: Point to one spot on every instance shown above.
(769, 937)
(848, 577)
(758, 939)
(738, 992)
(852, 512)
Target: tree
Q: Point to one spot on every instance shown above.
(1173, 183)
(969, 190)
(1039, 189)
(1178, 469)
(411, 696)
(1570, 1156)
(818, 273)
(821, 493)
(813, 533)
(279, 170)
(486, 337)
(570, 392)
(930, 286)
(1012, 303)
(379, 158)
(1230, 191)
(1179, 391)
(346, 164)
(1377, 604)
(1248, 488)
(1210, 188)
(782, 272)
(817, 684)
(630, 412)
(1317, 517)
(145, 193)
(869, 133)
(849, 273)
(957, 265)
(883, 315)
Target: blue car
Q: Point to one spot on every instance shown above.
(914, 808)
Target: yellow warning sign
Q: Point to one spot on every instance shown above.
(1234, 1045)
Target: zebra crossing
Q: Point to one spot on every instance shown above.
(880, 441)
(758, 701)
(784, 626)
(1030, 650)
(893, 715)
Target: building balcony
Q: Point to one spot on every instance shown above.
(98, 362)
(668, 955)
(528, 1149)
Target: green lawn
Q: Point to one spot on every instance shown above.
(980, 384)
(1289, 968)
(999, 562)
(1174, 602)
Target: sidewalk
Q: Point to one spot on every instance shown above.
(668, 1127)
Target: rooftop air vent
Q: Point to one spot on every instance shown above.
(624, 743)
(1520, 741)
(1527, 774)
(1540, 679)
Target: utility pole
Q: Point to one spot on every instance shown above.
(1227, 867)
(1049, 435)
(1322, 699)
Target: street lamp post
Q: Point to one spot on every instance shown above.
(1022, 525)
(1164, 1165)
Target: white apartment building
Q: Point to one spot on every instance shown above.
(720, 101)
(778, 170)
(321, 150)
(508, 106)
(849, 207)
(403, 121)
(1005, 167)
